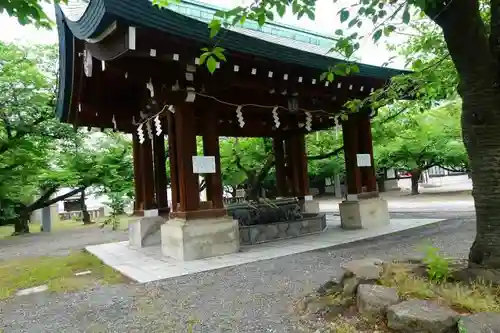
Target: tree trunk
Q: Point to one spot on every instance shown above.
(474, 53)
(21, 225)
(83, 208)
(381, 184)
(415, 177)
(253, 191)
(481, 130)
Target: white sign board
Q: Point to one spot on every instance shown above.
(364, 160)
(203, 164)
(391, 174)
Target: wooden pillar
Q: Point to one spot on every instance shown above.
(211, 148)
(189, 195)
(279, 157)
(294, 164)
(303, 175)
(351, 144)
(147, 172)
(172, 156)
(139, 199)
(290, 170)
(160, 173)
(369, 179)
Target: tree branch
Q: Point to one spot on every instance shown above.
(327, 155)
(43, 202)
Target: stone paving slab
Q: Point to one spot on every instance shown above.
(148, 264)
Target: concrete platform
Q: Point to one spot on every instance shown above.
(148, 264)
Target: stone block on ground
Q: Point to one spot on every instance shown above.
(417, 316)
(362, 271)
(367, 268)
(374, 300)
(331, 287)
(484, 322)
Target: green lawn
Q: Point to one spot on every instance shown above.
(58, 272)
(6, 231)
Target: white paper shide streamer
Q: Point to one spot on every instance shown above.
(140, 133)
(239, 115)
(158, 125)
(276, 118)
(308, 121)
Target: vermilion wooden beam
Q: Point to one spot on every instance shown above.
(174, 164)
(160, 173)
(279, 155)
(139, 199)
(186, 149)
(211, 148)
(351, 145)
(368, 174)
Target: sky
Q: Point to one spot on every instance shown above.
(326, 22)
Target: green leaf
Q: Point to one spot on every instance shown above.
(280, 9)
(406, 15)
(218, 52)
(353, 22)
(310, 14)
(214, 26)
(211, 64)
(220, 13)
(388, 30)
(330, 77)
(323, 75)
(344, 15)
(377, 35)
(261, 19)
(204, 57)
(339, 32)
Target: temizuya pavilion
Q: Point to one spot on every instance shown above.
(127, 65)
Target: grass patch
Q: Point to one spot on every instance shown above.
(341, 325)
(58, 272)
(7, 230)
(467, 298)
(123, 221)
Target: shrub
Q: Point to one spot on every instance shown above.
(438, 268)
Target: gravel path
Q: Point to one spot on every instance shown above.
(61, 242)
(255, 297)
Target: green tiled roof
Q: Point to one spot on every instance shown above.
(275, 33)
(187, 20)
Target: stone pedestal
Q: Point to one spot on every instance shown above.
(311, 207)
(199, 238)
(364, 213)
(145, 231)
(391, 185)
